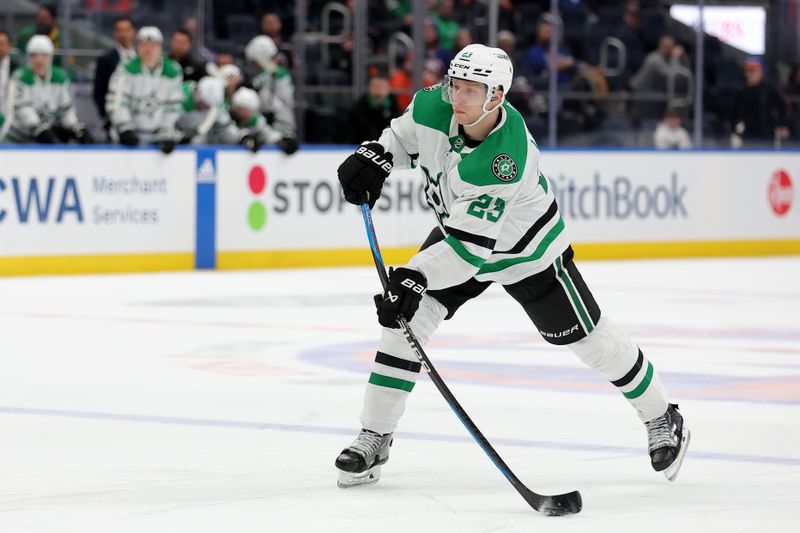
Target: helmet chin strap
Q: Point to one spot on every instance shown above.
(485, 112)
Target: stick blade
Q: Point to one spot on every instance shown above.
(559, 505)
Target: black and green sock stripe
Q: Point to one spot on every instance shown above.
(628, 378)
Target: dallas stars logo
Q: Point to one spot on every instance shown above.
(504, 168)
(431, 88)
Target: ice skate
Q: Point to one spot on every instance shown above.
(668, 441)
(360, 463)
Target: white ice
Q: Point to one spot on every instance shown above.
(217, 401)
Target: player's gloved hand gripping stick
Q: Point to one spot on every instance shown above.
(562, 504)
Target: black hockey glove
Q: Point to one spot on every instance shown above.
(251, 143)
(166, 146)
(288, 145)
(362, 174)
(402, 296)
(46, 136)
(129, 138)
(83, 136)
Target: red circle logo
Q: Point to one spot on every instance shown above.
(257, 179)
(780, 192)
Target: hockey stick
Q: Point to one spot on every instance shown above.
(561, 504)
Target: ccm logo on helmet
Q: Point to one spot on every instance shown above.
(375, 158)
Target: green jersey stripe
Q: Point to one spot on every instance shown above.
(390, 382)
(540, 250)
(463, 253)
(639, 390)
(543, 182)
(574, 296)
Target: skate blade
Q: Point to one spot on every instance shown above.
(671, 472)
(367, 477)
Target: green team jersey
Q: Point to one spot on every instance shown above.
(36, 103)
(495, 207)
(146, 101)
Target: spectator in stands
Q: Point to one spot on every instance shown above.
(225, 57)
(373, 111)
(445, 25)
(245, 110)
(433, 50)
(39, 103)
(401, 9)
(653, 76)
(792, 91)
(659, 66)
(463, 38)
(7, 68)
(401, 82)
(271, 26)
(205, 55)
(124, 35)
(144, 97)
(274, 85)
(760, 112)
(670, 134)
(181, 52)
(507, 42)
(535, 63)
(45, 25)
(468, 12)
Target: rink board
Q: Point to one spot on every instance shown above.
(111, 210)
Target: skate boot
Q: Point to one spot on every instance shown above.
(360, 463)
(668, 441)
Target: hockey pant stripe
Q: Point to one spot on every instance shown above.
(627, 378)
(574, 297)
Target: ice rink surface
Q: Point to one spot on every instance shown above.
(217, 402)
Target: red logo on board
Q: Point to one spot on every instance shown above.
(780, 192)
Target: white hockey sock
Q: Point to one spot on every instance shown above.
(609, 350)
(396, 369)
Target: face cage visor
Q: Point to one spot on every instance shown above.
(465, 94)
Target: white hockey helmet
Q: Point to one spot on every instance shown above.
(149, 33)
(261, 50)
(40, 44)
(246, 99)
(483, 64)
(228, 71)
(211, 91)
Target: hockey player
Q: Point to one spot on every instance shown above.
(205, 120)
(245, 107)
(144, 97)
(39, 102)
(498, 222)
(273, 84)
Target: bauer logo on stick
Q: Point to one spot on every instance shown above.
(504, 168)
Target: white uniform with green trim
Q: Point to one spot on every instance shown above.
(206, 126)
(146, 101)
(276, 91)
(501, 224)
(493, 204)
(35, 103)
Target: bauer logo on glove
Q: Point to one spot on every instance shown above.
(402, 296)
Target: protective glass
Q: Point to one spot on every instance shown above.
(458, 91)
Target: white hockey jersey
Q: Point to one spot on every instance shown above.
(495, 207)
(148, 102)
(35, 103)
